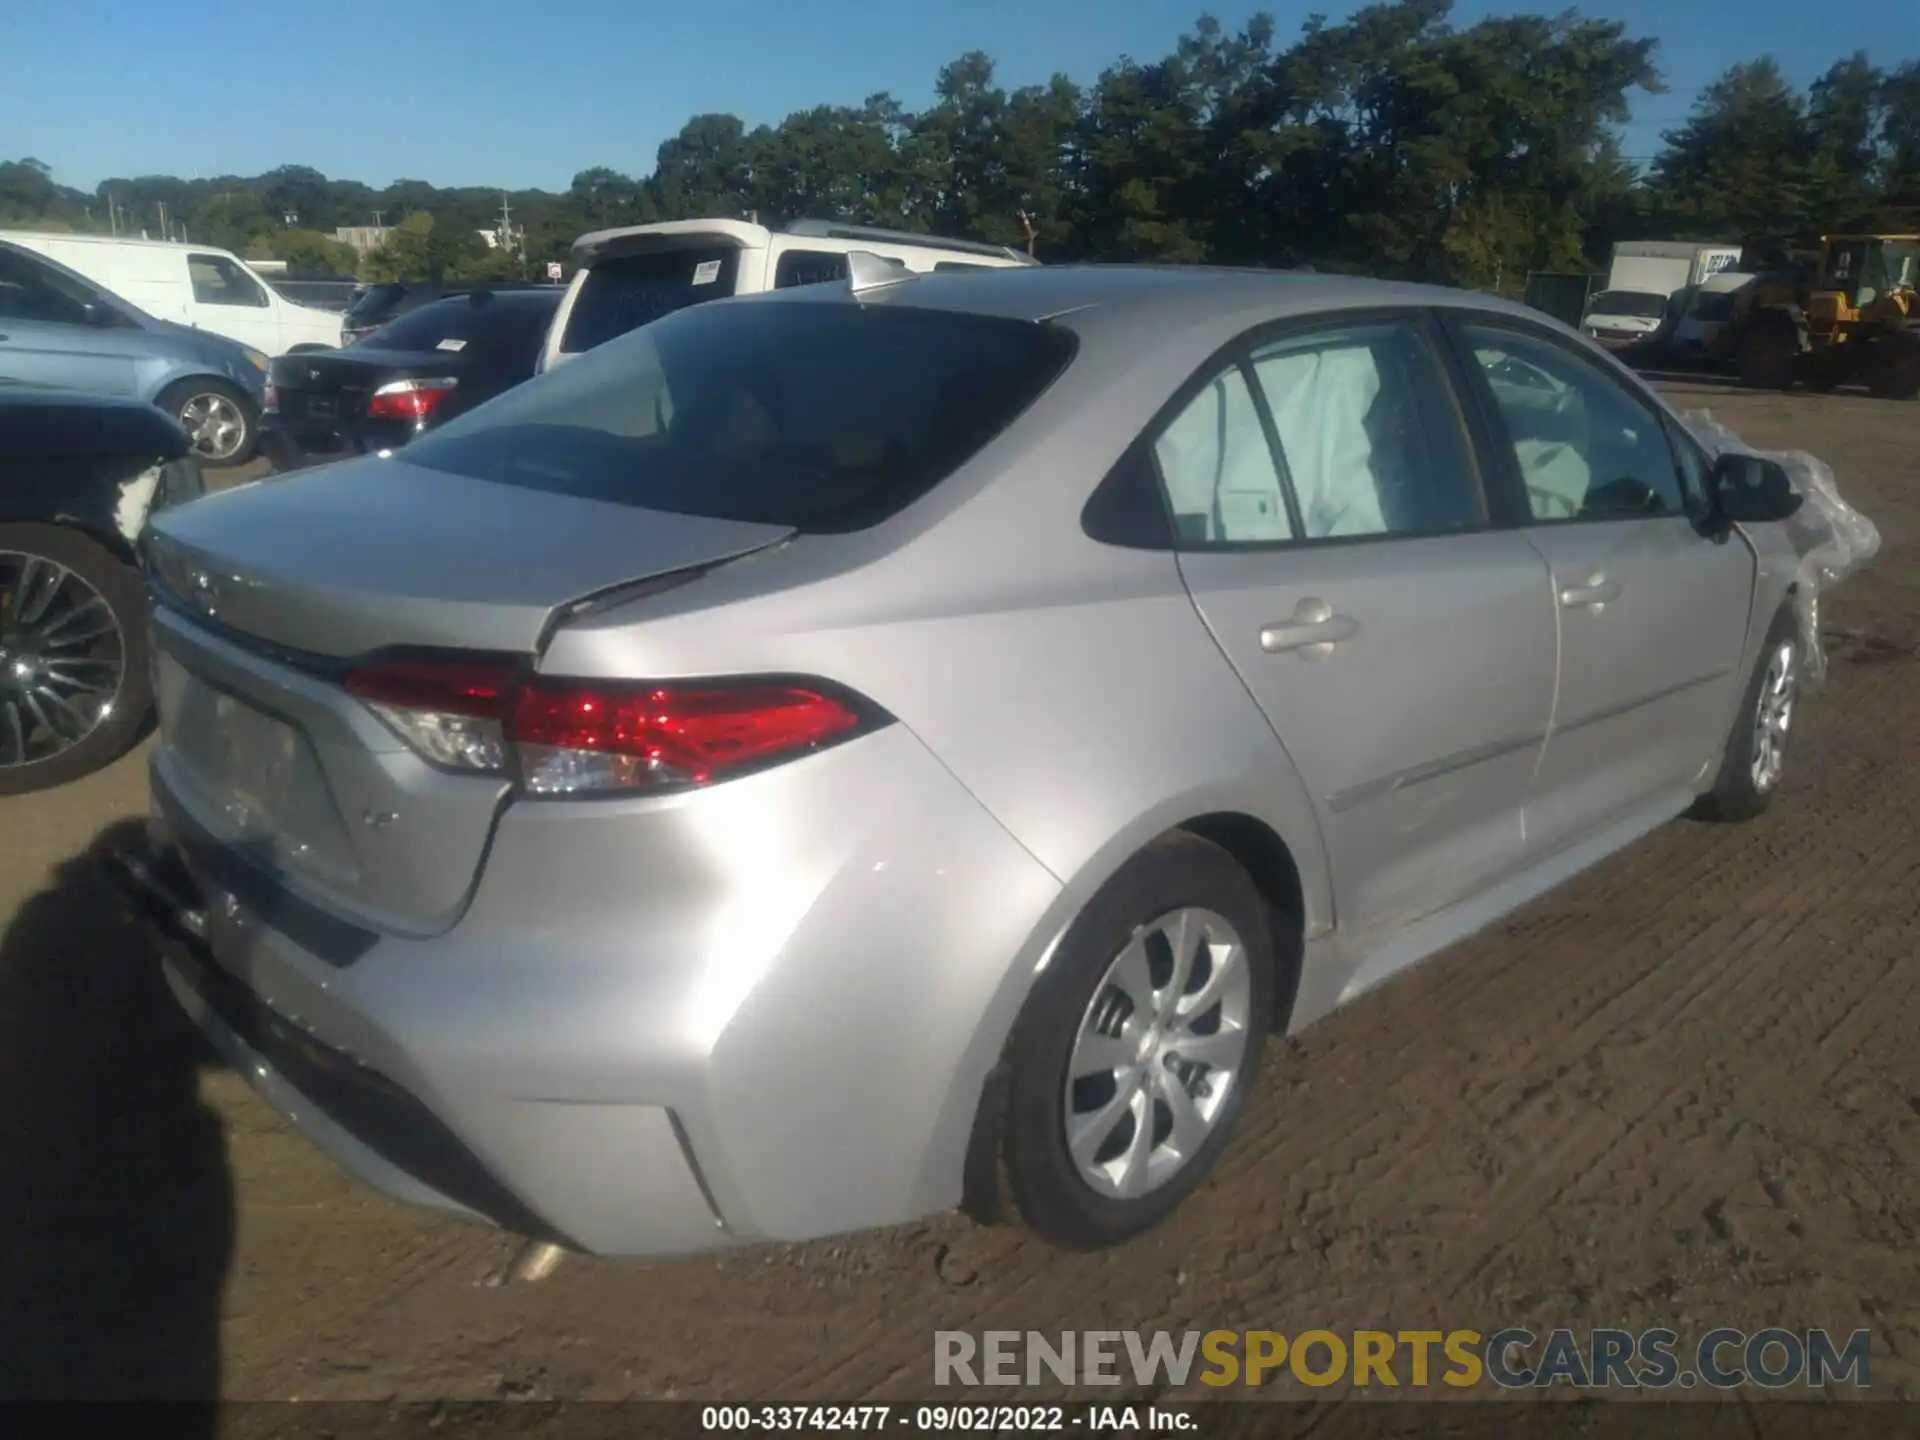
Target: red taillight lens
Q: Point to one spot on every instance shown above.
(408, 399)
(574, 737)
(581, 737)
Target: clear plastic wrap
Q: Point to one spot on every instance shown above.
(1833, 539)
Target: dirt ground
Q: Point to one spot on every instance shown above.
(1682, 1091)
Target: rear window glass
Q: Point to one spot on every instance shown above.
(375, 301)
(452, 324)
(624, 292)
(824, 417)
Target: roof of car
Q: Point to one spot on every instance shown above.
(1195, 292)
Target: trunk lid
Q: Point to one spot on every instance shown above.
(333, 387)
(271, 589)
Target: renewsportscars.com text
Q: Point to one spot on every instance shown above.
(1513, 1358)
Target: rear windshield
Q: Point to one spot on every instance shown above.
(375, 301)
(452, 324)
(1632, 303)
(823, 417)
(624, 292)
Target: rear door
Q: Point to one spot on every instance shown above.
(1652, 612)
(1335, 536)
(45, 339)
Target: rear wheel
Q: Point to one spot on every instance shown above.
(1769, 355)
(219, 418)
(1756, 753)
(1893, 367)
(1133, 1059)
(74, 684)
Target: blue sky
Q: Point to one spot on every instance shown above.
(506, 92)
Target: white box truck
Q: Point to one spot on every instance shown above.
(1644, 277)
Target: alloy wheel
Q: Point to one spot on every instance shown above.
(1773, 716)
(1157, 1053)
(62, 659)
(215, 425)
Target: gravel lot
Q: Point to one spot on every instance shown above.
(1683, 1091)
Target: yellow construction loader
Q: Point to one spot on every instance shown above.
(1854, 320)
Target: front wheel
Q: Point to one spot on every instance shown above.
(1756, 753)
(219, 418)
(74, 684)
(1132, 1062)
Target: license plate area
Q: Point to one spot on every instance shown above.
(322, 407)
(254, 770)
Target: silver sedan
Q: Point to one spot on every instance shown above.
(820, 751)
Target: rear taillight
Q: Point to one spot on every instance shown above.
(573, 737)
(408, 399)
(270, 399)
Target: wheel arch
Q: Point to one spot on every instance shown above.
(1285, 873)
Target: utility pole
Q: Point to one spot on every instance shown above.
(378, 216)
(165, 233)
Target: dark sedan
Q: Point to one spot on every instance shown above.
(422, 369)
(386, 302)
(79, 476)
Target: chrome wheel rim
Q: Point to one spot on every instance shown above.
(215, 424)
(1773, 717)
(1158, 1053)
(62, 658)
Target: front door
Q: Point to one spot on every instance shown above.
(1333, 533)
(1653, 613)
(227, 300)
(46, 339)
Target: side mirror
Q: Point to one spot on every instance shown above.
(97, 315)
(1750, 491)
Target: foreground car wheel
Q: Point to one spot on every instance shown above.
(74, 688)
(1757, 750)
(217, 417)
(1132, 1062)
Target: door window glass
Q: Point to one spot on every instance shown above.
(32, 292)
(808, 267)
(1587, 448)
(219, 281)
(1369, 434)
(1221, 481)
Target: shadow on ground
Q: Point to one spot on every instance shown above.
(116, 1203)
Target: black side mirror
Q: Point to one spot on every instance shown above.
(98, 315)
(1750, 491)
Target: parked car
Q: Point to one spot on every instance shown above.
(199, 285)
(626, 277)
(79, 477)
(375, 305)
(60, 330)
(745, 783)
(415, 372)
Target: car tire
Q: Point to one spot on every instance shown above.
(1078, 998)
(1755, 758)
(219, 417)
(90, 572)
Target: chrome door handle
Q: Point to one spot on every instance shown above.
(1312, 632)
(1591, 596)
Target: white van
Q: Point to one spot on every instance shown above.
(199, 285)
(629, 276)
